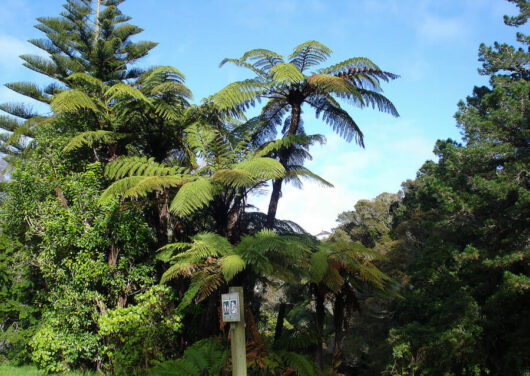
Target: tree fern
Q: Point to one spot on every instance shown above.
(207, 354)
(192, 196)
(73, 100)
(91, 138)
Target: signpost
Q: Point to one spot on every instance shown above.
(232, 305)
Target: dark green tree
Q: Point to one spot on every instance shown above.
(467, 220)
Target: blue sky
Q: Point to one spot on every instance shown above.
(431, 44)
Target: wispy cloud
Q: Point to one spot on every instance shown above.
(438, 29)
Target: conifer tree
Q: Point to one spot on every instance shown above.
(74, 45)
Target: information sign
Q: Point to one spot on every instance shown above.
(231, 307)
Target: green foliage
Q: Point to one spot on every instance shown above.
(205, 355)
(138, 336)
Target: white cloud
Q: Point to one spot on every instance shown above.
(437, 29)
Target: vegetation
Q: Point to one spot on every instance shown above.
(126, 216)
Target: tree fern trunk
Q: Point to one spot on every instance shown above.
(320, 316)
(279, 321)
(296, 110)
(338, 321)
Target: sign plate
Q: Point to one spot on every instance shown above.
(230, 306)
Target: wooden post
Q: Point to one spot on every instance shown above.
(237, 335)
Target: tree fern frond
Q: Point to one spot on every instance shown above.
(339, 120)
(192, 196)
(72, 100)
(355, 62)
(262, 59)
(150, 184)
(335, 85)
(172, 88)
(332, 279)
(378, 100)
(158, 75)
(309, 54)
(121, 89)
(244, 64)
(231, 265)
(301, 171)
(83, 79)
(300, 364)
(286, 73)
(119, 187)
(90, 138)
(234, 177)
(239, 94)
(262, 168)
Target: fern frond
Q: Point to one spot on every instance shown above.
(244, 64)
(378, 100)
(192, 197)
(300, 364)
(231, 265)
(123, 90)
(319, 265)
(339, 120)
(262, 168)
(153, 183)
(332, 279)
(286, 73)
(87, 80)
(90, 138)
(239, 94)
(301, 171)
(172, 88)
(204, 245)
(262, 59)
(72, 100)
(355, 62)
(309, 54)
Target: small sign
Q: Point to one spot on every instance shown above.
(230, 306)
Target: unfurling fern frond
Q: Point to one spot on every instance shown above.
(73, 100)
(309, 54)
(91, 138)
(192, 196)
(286, 73)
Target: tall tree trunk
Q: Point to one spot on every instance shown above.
(233, 217)
(279, 321)
(320, 316)
(296, 109)
(96, 31)
(338, 321)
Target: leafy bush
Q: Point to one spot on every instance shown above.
(141, 334)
